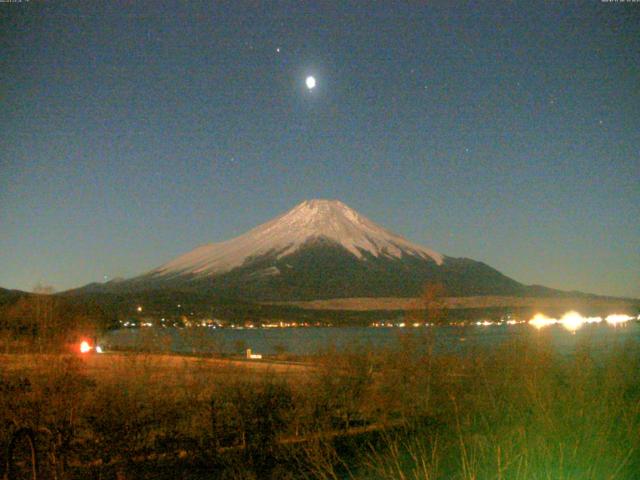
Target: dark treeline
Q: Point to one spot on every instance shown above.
(48, 322)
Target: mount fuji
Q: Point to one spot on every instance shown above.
(330, 221)
(320, 249)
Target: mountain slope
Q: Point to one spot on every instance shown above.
(284, 235)
(8, 297)
(320, 249)
(322, 269)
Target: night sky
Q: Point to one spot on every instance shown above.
(134, 131)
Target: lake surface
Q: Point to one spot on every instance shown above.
(305, 341)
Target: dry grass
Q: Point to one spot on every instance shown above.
(524, 412)
(521, 411)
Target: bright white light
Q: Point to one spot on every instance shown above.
(99, 349)
(484, 323)
(592, 319)
(311, 82)
(139, 308)
(85, 347)
(541, 320)
(616, 319)
(572, 321)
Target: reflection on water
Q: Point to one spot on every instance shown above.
(305, 341)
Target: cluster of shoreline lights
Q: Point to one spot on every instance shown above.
(571, 321)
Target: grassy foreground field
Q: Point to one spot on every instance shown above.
(520, 411)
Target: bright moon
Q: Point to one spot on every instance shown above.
(311, 82)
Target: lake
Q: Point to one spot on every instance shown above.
(311, 340)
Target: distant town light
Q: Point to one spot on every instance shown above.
(572, 321)
(541, 320)
(139, 309)
(616, 319)
(484, 323)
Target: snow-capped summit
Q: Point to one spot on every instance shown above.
(328, 220)
(318, 249)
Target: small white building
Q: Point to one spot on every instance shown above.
(253, 356)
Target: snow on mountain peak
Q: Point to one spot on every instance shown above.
(311, 219)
